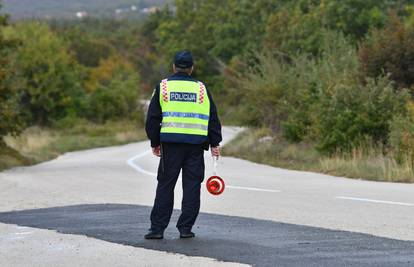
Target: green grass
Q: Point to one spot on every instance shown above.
(36, 144)
(259, 145)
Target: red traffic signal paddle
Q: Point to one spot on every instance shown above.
(215, 184)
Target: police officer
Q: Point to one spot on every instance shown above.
(181, 123)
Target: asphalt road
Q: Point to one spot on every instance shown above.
(92, 207)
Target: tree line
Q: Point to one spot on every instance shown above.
(337, 74)
(54, 74)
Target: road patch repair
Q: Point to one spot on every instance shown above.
(225, 238)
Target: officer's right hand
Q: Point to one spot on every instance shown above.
(215, 151)
(156, 151)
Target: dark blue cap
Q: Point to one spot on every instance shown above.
(183, 59)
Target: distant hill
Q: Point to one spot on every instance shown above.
(19, 9)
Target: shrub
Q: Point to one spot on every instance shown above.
(352, 114)
(293, 30)
(113, 91)
(51, 81)
(88, 50)
(10, 121)
(356, 17)
(268, 90)
(281, 90)
(390, 51)
(402, 135)
(320, 99)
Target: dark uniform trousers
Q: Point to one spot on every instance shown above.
(175, 157)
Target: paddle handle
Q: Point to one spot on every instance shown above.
(215, 163)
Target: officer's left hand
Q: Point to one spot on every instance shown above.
(156, 151)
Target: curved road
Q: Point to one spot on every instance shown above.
(92, 207)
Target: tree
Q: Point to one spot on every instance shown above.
(52, 81)
(89, 50)
(295, 30)
(214, 35)
(353, 114)
(113, 91)
(10, 122)
(356, 17)
(390, 50)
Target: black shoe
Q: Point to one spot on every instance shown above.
(187, 234)
(154, 235)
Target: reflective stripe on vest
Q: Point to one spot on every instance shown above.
(186, 115)
(184, 125)
(185, 108)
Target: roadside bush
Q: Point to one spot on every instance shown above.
(321, 100)
(352, 114)
(51, 80)
(390, 51)
(10, 116)
(113, 92)
(269, 89)
(10, 121)
(282, 89)
(402, 136)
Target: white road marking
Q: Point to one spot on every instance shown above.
(131, 163)
(376, 201)
(138, 168)
(23, 233)
(22, 227)
(252, 189)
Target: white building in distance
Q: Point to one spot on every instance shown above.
(81, 14)
(150, 10)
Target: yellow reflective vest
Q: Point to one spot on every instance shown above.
(185, 111)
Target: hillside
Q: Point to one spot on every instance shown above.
(19, 9)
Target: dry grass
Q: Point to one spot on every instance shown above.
(33, 139)
(11, 158)
(367, 162)
(260, 146)
(36, 144)
(126, 136)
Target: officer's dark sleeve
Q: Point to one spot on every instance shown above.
(214, 125)
(154, 119)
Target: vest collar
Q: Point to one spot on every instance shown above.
(180, 75)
